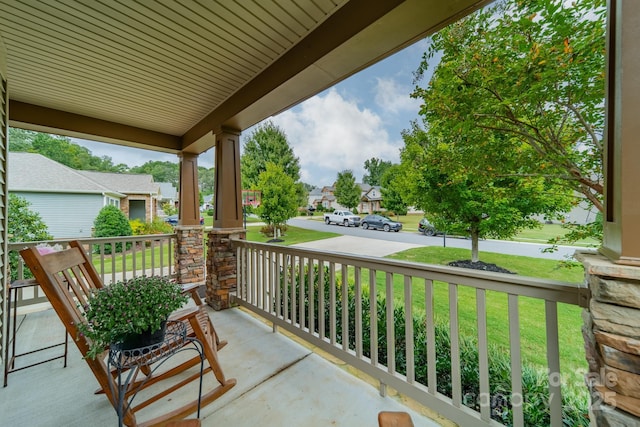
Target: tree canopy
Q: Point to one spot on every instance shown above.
(393, 189)
(375, 170)
(62, 150)
(531, 70)
(465, 190)
(279, 196)
(347, 192)
(267, 143)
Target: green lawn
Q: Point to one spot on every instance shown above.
(109, 260)
(292, 236)
(532, 311)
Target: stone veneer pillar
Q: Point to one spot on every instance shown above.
(611, 331)
(222, 266)
(189, 254)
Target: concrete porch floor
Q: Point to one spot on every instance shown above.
(279, 383)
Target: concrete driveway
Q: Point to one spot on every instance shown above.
(358, 246)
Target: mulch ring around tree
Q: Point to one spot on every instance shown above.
(479, 265)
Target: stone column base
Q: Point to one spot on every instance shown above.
(189, 254)
(222, 268)
(611, 333)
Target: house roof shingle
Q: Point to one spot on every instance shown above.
(34, 172)
(125, 183)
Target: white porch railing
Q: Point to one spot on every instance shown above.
(283, 285)
(146, 255)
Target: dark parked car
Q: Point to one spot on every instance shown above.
(380, 222)
(173, 220)
(426, 228)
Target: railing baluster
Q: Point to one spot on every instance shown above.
(285, 288)
(294, 291)
(408, 329)
(332, 303)
(373, 317)
(311, 295)
(391, 330)
(278, 283)
(358, 314)
(516, 362)
(483, 355)
(431, 336)
(553, 361)
(264, 282)
(456, 386)
(345, 308)
(321, 317)
(301, 288)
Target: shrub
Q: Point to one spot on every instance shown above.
(267, 230)
(210, 212)
(157, 226)
(111, 222)
(535, 381)
(24, 225)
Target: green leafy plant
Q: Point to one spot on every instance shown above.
(111, 222)
(122, 309)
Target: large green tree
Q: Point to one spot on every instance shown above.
(62, 150)
(375, 170)
(347, 192)
(279, 197)
(267, 143)
(465, 190)
(393, 190)
(532, 71)
(162, 171)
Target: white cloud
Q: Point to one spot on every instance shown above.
(394, 98)
(330, 134)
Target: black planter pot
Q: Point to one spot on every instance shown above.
(145, 340)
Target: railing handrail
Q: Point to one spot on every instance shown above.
(158, 264)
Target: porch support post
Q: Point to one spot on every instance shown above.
(621, 240)
(611, 327)
(188, 195)
(189, 248)
(222, 268)
(228, 188)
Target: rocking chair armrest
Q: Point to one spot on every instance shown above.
(184, 314)
(192, 288)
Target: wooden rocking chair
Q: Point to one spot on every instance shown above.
(67, 278)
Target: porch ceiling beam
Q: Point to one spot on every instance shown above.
(43, 119)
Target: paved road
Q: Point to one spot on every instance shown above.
(414, 239)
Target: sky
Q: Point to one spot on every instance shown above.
(360, 118)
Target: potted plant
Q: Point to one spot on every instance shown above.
(117, 313)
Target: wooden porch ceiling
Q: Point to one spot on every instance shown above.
(164, 75)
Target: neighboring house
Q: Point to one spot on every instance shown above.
(168, 194)
(207, 202)
(315, 197)
(141, 193)
(67, 201)
(371, 199)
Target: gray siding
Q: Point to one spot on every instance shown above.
(66, 215)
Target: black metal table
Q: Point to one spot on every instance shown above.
(10, 355)
(131, 360)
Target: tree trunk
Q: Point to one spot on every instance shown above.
(474, 245)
